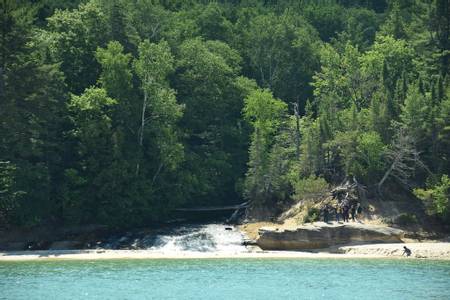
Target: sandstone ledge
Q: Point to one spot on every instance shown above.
(321, 235)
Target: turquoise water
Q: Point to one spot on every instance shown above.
(226, 279)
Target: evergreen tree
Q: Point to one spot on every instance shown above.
(265, 115)
(31, 110)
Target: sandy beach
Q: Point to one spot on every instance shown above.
(428, 250)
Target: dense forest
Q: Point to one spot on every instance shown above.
(118, 111)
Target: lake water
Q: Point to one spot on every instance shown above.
(226, 279)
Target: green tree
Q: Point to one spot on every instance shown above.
(116, 73)
(387, 61)
(213, 23)
(394, 24)
(265, 114)
(436, 198)
(92, 130)
(370, 150)
(215, 137)
(415, 113)
(159, 106)
(443, 138)
(9, 195)
(311, 157)
(340, 78)
(279, 52)
(73, 36)
(440, 32)
(32, 96)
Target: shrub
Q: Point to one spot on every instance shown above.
(406, 219)
(437, 198)
(313, 215)
(310, 188)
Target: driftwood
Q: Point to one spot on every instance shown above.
(349, 191)
(237, 213)
(214, 208)
(238, 210)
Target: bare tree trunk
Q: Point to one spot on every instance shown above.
(386, 175)
(297, 132)
(141, 130)
(405, 158)
(157, 173)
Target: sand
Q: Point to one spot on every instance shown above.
(429, 250)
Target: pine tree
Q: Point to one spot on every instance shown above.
(415, 112)
(31, 108)
(441, 26)
(118, 25)
(265, 114)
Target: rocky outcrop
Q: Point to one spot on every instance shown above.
(321, 235)
(44, 238)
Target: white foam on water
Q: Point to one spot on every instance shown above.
(202, 238)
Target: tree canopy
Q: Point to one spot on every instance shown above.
(118, 112)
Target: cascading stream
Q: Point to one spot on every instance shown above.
(201, 238)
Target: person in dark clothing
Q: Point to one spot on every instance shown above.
(406, 251)
(345, 213)
(338, 213)
(353, 212)
(326, 214)
(358, 212)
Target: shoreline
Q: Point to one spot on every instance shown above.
(428, 251)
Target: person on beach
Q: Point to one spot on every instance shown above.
(406, 251)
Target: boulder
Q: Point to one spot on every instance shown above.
(321, 235)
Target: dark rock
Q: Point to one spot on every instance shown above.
(39, 245)
(248, 242)
(14, 246)
(66, 245)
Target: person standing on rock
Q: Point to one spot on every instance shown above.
(358, 211)
(353, 212)
(326, 214)
(345, 213)
(338, 213)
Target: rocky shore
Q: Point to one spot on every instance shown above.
(323, 235)
(268, 240)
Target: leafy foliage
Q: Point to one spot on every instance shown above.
(437, 198)
(117, 112)
(310, 188)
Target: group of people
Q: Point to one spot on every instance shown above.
(344, 210)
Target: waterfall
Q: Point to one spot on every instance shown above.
(200, 238)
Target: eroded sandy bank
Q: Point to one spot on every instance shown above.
(419, 250)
